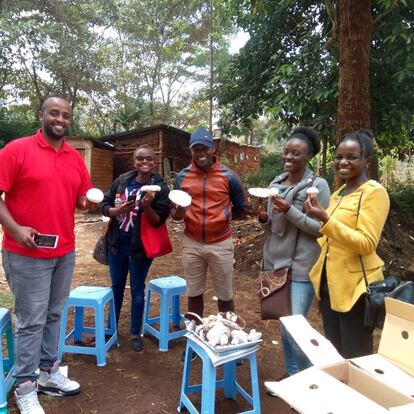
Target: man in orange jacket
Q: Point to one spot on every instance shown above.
(217, 197)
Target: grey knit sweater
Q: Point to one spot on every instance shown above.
(278, 251)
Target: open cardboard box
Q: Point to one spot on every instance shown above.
(378, 383)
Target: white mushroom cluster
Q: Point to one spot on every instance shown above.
(225, 328)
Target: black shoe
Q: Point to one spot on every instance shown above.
(193, 356)
(137, 344)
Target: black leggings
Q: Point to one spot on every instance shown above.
(346, 330)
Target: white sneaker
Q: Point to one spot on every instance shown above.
(53, 382)
(26, 398)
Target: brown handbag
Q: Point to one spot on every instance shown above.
(100, 251)
(274, 293)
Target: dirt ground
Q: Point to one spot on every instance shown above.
(150, 381)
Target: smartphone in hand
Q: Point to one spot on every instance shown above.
(48, 241)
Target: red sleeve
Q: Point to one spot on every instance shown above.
(10, 162)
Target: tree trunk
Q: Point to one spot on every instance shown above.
(355, 29)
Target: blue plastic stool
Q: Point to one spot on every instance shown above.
(96, 298)
(169, 289)
(6, 364)
(210, 383)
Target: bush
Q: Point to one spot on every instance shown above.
(271, 165)
(402, 195)
(12, 130)
(388, 169)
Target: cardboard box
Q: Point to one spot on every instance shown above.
(378, 383)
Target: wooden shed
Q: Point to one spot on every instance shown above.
(170, 145)
(98, 157)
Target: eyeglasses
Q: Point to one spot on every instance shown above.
(141, 158)
(351, 158)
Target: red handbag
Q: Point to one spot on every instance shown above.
(155, 240)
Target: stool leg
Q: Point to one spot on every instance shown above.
(62, 333)
(3, 391)
(230, 390)
(113, 329)
(100, 335)
(208, 393)
(186, 374)
(6, 364)
(9, 379)
(164, 322)
(255, 384)
(146, 309)
(77, 334)
(176, 317)
(10, 349)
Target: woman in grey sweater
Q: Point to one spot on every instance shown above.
(292, 234)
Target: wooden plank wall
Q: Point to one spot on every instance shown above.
(102, 168)
(176, 148)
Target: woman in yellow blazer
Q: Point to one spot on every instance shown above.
(351, 227)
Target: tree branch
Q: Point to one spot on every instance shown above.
(331, 11)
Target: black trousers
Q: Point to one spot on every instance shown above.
(346, 330)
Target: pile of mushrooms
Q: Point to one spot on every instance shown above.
(225, 328)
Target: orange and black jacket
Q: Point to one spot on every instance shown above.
(217, 197)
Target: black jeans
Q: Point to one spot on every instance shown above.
(346, 330)
(119, 265)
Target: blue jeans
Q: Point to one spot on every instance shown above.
(119, 265)
(40, 288)
(302, 294)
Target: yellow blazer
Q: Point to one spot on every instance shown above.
(345, 237)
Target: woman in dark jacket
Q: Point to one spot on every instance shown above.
(126, 252)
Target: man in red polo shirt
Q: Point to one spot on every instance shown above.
(44, 180)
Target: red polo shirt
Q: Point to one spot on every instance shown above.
(41, 187)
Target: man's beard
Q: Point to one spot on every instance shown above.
(52, 134)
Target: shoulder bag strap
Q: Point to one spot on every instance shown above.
(360, 257)
(105, 227)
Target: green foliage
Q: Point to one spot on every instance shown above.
(400, 142)
(388, 169)
(392, 70)
(288, 70)
(283, 72)
(121, 64)
(402, 194)
(225, 161)
(15, 123)
(270, 166)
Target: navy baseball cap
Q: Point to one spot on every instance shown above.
(201, 136)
